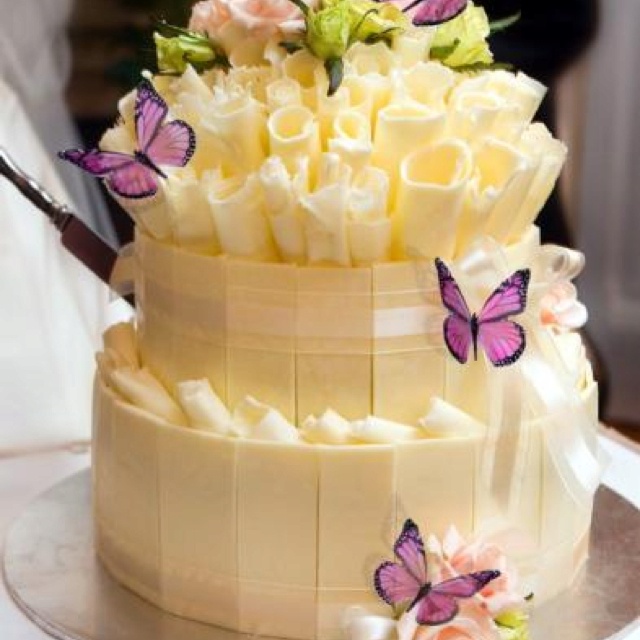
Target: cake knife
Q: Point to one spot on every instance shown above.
(77, 237)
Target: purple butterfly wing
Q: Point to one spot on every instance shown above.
(436, 608)
(401, 582)
(409, 548)
(150, 112)
(467, 585)
(510, 298)
(96, 162)
(173, 145)
(503, 341)
(440, 606)
(458, 337)
(133, 181)
(450, 293)
(394, 584)
(432, 12)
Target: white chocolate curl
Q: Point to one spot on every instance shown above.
(235, 127)
(400, 130)
(412, 46)
(447, 421)
(121, 338)
(294, 134)
(282, 195)
(427, 83)
(329, 428)
(191, 214)
(253, 419)
(283, 92)
(508, 175)
(352, 139)
(143, 390)
(203, 407)
(325, 210)
(380, 431)
(430, 198)
(369, 228)
(550, 154)
(238, 211)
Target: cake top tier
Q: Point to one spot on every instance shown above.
(335, 133)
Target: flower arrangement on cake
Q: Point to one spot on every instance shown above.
(344, 315)
(466, 590)
(387, 154)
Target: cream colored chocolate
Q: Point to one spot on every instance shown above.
(286, 399)
(280, 539)
(244, 518)
(302, 339)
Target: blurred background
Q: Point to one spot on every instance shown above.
(588, 52)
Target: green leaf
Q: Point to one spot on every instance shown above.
(500, 25)
(442, 53)
(335, 73)
(470, 29)
(484, 66)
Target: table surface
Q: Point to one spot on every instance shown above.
(23, 478)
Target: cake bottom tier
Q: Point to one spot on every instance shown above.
(281, 539)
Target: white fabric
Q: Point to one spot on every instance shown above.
(35, 62)
(53, 309)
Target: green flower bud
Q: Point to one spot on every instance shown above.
(464, 39)
(176, 52)
(328, 31)
(374, 21)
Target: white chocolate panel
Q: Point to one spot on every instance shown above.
(134, 539)
(408, 367)
(435, 483)
(357, 513)
(198, 524)
(261, 321)
(277, 500)
(333, 350)
(273, 538)
(278, 611)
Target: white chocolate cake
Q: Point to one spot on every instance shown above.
(292, 390)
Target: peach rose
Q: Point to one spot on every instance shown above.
(265, 16)
(560, 307)
(209, 16)
(462, 557)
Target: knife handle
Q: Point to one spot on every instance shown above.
(59, 214)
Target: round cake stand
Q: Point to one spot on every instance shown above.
(53, 575)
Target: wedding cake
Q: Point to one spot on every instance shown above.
(346, 329)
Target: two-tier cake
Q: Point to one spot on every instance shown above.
(346, 324)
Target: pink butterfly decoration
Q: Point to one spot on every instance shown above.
(503, 340)
(407, 581)
(136, 176)
(433, 12)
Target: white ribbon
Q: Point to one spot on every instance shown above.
(539, 382)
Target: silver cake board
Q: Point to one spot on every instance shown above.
(53, 575)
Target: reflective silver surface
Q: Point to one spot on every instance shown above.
(53, 575)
